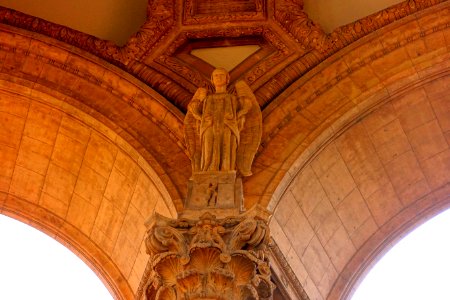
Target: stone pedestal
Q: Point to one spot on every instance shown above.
(209, 258)
(217, 192)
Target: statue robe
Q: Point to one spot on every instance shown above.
(219, 132)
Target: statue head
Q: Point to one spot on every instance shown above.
(220, 78)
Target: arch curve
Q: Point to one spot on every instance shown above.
(66, 173)
(386, 238)
(37, 65)
(70, 237)
(383, 175)
(341, 90)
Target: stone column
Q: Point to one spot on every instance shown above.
(214, 250)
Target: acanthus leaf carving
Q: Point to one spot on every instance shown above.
(226, 258)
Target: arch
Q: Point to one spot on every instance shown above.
(406, 60)
(302, 130)
(386, 238)
(64, 233)
(343, 88)
(66, 173)
(365, 187)
(126, 107)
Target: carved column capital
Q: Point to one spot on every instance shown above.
(209, 258)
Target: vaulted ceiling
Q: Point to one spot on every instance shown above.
(161, 43)
(161, 54)
(118, 20)
(318, 68)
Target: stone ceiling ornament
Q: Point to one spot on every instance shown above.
(292, 44)
(214, 250)
(290, 15)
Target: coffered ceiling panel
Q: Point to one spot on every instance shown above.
(225, 57)
(117, 20)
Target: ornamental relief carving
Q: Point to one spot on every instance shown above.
(214, 250)
(303, 46)
(290, 16)
(349, 33)
(160, 18)
(202, 12)
(209, 258)
(189, 77)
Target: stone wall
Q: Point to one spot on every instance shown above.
(69, 175)
(382, 176)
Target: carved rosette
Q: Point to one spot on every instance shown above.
(209, 258)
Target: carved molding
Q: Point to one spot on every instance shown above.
(285, 274)
(268, 78)
(190, 78)
(160, 19)
(248, 10)
(290, 15)
(104, 49)
(335, 80)
(208, 258)
(349, 33)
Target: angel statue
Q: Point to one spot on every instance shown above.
(223, 129)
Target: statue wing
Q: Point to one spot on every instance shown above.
(192, 128)
(250, 136)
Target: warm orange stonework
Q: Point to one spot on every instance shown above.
(67, 174)
(363, 187)
(355, 146)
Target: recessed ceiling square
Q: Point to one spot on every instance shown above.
(225, 57)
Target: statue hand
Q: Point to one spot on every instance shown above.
(201, 94)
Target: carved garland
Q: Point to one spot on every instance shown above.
(291, 17)
(160, 18)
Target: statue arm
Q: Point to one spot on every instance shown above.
(195, 106)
